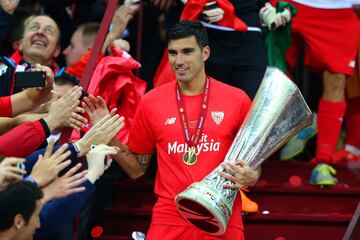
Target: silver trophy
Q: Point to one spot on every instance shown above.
(278, 112)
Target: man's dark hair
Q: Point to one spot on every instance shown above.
(65, 79)
(18, 198)
(89, 32)
(186, 29)
(89, 28)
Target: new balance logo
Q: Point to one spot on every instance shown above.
(170, 121)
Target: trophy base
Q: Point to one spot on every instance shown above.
(203, 207)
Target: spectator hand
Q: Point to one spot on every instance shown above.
(121, 45)
(9, 172)
(282, 18)
(65, 185)
(96, 108)
(101, 133)
(134, 5)
(61, 109)
(47, 167)
(121, 19)
(49, 80)
(241, 174)
(273, 20)
(95, 159)
(213, 15)
(76, 120)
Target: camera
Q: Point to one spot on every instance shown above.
(29, 79)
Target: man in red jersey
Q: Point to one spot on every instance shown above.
(195, 112)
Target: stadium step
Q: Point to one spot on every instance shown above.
(286, 210)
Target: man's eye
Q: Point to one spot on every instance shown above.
(50, 31)
(33, 28)
(188, 51)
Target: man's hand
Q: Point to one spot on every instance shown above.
(65, 185)
(9, 6)
(121, 45)
(241, 174)
(96, 108)
(9, 172)
(48, 166)
(101, 133)
(49, 80)
(62, 109)
(213, 15)
(76, 120)
(273, 20)
(119, 23)
(95, 159)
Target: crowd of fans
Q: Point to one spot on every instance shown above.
(56, 135)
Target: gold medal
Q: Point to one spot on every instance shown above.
(190, 157)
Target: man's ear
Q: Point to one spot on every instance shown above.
(16, 45)
(20, 45)
(57, 52)
(206, 53)
(19, 221)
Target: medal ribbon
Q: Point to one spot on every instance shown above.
(193, 141)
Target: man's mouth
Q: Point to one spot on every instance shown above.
(38, 42)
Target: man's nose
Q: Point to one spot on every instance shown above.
(179, 60)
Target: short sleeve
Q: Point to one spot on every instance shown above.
(142, 138)
(5, 106)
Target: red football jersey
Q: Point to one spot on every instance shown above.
(157, 125)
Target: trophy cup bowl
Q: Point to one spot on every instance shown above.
(278, 112)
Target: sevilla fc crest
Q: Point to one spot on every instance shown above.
(217, 117)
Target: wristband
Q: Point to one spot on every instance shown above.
(77, 148)
(31, 180)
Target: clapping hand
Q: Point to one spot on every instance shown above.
(95, 159)
(65, 185)
(63, 109)
(96, 108)
(47, 167)
(101, 133)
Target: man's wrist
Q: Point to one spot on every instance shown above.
(32, 180)
(92, 176)
(51, 123)
(81, 148)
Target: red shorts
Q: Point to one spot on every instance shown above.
(171, 232)
(331, 37)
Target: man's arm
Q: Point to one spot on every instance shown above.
(135, 165)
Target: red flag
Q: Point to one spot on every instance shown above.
(192, 11)
(114, 81)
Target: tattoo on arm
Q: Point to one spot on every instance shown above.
(143, 160)
(125, 150)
